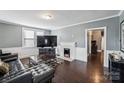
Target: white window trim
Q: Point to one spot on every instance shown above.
(35, 37)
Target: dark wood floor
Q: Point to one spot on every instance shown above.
(81, 72)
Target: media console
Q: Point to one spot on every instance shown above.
(47, 53)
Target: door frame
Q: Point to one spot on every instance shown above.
(86, 44)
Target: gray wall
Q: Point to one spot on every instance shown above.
(11, 35)
(77, 33)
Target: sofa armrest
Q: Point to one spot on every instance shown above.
(8, 58)
(5, 54)
(20, 77)
(23, 78)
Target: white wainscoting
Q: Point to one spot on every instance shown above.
(22, 52)
(81, 54)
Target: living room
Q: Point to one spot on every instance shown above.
(41, 46)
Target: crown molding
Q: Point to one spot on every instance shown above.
(66, 26)
(99, 19)
(16, 24)
(121, 11)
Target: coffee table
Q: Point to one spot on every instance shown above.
(36, 60)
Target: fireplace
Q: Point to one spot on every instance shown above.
(67, 52)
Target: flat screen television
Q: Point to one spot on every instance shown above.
(46, 41)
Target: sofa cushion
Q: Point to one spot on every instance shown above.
(42, 73)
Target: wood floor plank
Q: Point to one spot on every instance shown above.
(81, 72)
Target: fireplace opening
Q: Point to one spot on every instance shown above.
(67, 52)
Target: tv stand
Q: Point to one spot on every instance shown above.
(47, 53)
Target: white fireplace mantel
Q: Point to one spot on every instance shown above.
(71, 46)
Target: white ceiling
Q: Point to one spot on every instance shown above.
(61, 18)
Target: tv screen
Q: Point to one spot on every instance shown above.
(46, 41)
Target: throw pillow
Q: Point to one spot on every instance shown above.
(4, 68)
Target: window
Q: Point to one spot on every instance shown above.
(29, 37)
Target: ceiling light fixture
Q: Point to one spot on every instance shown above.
(47, 16)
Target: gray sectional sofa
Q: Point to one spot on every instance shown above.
(39, 73)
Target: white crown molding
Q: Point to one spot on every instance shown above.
(87, 22)
(121, 11)
(99, 19)
(16, 24)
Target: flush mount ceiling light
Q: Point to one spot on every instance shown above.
(47, 16)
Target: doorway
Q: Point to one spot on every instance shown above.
(95, 40)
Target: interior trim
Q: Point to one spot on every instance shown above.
(87, 22)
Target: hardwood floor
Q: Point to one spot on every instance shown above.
(81, 72)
